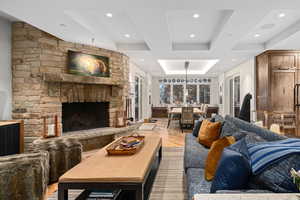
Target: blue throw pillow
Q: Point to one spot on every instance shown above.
(234, 170)
(241, 147)
(197, 127)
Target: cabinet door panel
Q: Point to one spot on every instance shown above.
(283, 91)
(283, 61)
(262, 82)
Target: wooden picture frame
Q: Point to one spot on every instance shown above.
(47, 127)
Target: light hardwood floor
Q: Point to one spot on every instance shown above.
(171, 137)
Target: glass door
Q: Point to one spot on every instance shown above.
(137, 98)
(234, 96)
(237, 96)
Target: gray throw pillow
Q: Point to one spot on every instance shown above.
(253, 138)
(277, 176)
(228, 129)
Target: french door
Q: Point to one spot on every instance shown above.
(234, 96)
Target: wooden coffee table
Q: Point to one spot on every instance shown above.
(133, 173)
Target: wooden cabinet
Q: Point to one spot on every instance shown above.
(159, 112)
(11, 137)
(276, 76)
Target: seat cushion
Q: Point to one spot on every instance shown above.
(214, 156)
(196, 182)
(194, 153)
(209, 132)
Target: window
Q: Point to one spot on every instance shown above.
(165, 93)
(204, 94)
(178, 94)
(175, 91)
(192, 94)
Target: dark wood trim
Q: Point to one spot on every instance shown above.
(22, 136)
(21, 131)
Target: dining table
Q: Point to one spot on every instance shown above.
(179, 111)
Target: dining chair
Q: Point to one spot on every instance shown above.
(172, 116)
(205, 109)
(187, 117)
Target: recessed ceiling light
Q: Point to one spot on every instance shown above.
(256, 35)
(127, 35)
(196, 15)
(233, 59)
(281, 15)
(109, 15)
(142, 59)
(192, 35)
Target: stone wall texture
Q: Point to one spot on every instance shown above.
(36, 53)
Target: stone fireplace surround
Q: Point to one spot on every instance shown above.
(41, 82)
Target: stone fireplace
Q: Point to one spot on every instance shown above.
(42, 85)
(84, 116)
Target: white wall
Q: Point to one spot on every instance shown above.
(5, 70)
(146, 89)
(156, 90)
(246, 71)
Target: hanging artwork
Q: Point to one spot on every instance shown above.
(88, 65)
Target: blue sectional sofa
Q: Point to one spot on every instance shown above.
(195, 156)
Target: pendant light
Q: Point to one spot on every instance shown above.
(186, 66)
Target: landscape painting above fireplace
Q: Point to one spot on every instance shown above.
(88, 65)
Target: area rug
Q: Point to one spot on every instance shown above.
(169, 183)
(147, 126)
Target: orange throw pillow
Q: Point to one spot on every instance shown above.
(209, 132)
(215, 154)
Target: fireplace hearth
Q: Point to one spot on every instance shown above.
(85, 115)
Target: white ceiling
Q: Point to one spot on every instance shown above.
(161, 29)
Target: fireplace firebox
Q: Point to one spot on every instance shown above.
(85, 115)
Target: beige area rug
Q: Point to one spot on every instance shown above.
(169, 183)
(147, 126)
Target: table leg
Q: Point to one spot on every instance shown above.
(169, 120)
(62, 193)
(139, 193)
(160, 153)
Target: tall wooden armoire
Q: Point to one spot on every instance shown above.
(277, 73)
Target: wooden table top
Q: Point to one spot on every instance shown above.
(179, 111)
(5, 123)
(104, 168)
(265, 196)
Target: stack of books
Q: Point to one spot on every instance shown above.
(130, 142)
(103, 195)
